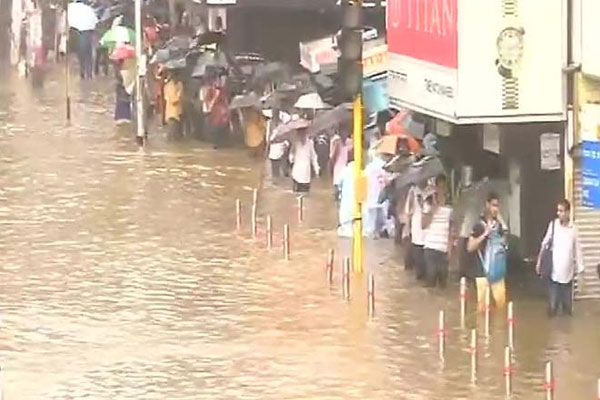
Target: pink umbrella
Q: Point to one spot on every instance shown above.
(122, 52)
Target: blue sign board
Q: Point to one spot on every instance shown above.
(590, 174)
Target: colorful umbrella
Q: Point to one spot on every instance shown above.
(311, 101)
(81, 17)
(123, 51)
(117, 34)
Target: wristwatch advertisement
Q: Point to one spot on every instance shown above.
(509, 45)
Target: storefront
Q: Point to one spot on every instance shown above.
(499, 90)
(584, 143)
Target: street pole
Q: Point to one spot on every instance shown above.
(357, 242)
(67, 71)
(139, 72)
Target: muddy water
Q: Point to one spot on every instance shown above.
(122, 277)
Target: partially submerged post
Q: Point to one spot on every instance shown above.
(269, 232)
(286, 242)
(371, 295)
(346, 278)
(238, 214)
(463, 301)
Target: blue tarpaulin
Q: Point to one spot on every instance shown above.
(375, 94)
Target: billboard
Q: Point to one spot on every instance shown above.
(473, 61)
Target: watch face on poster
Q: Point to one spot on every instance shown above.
(510, 49)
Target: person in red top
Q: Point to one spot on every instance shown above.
(217, 109)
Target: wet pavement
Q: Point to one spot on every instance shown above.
(122, 277)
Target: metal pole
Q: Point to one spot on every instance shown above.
(510, 319)
(254, 222)
(330, 266)
(357, 242)
(371, 295)
(286, 242)
(487, 312)
(549, 381)
(346, 278)
(139, 73)
(300, 209)
(67, 71)
(598, 390)
(473, 356)
(463, 301)
(507, 372)
(238, 214)
(269, 232)
(441, 335)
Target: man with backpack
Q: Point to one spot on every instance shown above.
(488, 242)
(560, 259)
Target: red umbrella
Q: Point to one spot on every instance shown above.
(123, 52)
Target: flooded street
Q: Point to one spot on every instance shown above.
(122, 277)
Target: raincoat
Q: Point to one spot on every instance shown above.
(346, 211)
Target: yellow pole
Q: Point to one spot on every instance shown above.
(357, 242)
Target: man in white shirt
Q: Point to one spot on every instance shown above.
(414, 212)
(567, 260)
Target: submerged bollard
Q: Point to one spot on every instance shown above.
(286, 242)
(598, 390)
(254, 222)
(346, 278)
(473, 356)
(371, 295)
(463, 301)
(330, 266)
(549, 381)
(441, 335)
(510, 320)
(254, 197)
(487, 312)
(269, 232)
(300, 209)
(238, 214)
(507, 371)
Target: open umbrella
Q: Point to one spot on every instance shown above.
(311, 101)
(404, 124)
(81, 17)
(245, 101)
(282, 131)
(179, 63)
(331, 118)
(123, 51)
(209, 60)
(117, 34)
(270, 72)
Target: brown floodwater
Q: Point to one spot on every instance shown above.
(122, 276)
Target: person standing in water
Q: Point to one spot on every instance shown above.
(303, 157)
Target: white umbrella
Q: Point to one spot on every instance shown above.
(81, 17)
(311, 101)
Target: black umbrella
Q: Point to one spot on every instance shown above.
(328, 119)
(245, 101)
(208, 60)
(270, 72)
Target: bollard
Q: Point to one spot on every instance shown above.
(441, 335)
(371, 295)
(300, 209)
(473, 356)
(330, 266)
(510, 319)
(254, 222)
(598, 390)
(487, 312)
(463, 301)
(238, 214)
(286, 242)
(346, 278)
(269, 232)
(255, 197)
(549, 381)
(507, 371)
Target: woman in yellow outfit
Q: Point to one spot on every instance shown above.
(255, 129)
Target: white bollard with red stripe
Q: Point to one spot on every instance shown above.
(507, 372)
(371, 295)
(473, 356)
(463, 301)
(549, 381)
(510, 320)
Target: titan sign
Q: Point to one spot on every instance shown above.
(474, 61)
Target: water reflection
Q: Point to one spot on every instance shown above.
(122, 277)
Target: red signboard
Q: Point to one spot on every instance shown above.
(424, 29)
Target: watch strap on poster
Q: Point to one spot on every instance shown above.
(510, 93)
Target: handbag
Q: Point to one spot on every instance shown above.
(546, 263)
